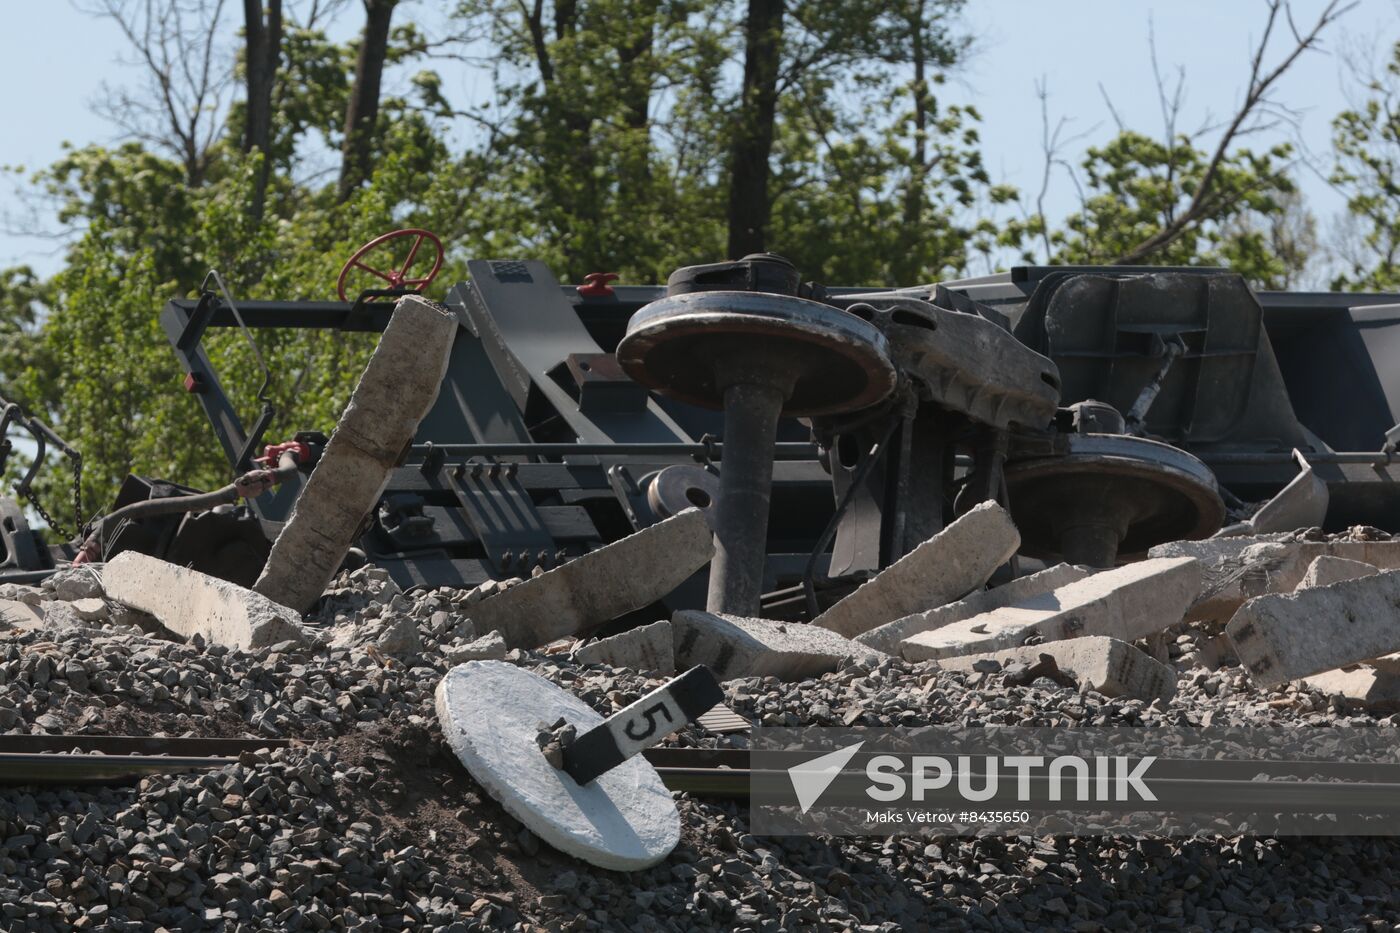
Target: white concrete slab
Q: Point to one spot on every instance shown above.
(624, 820)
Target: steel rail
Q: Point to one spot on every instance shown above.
(107, 760)
(1212, 785)
(23, 769)
(180, 746)
(1176, 768)
(1190, 795)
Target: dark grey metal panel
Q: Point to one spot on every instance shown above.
(529, 330)
(1342, 370)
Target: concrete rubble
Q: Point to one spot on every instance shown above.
(1363, 686)
(1127, 603)
(1326, 570)
(1112, 667)
(190, 604)
(1282, 637)
(951, 564)
(597, 587)
(645, 648)
(489, 647)
(1237, 569)
(375, 820)
(395, 391)
(887, 637)
(372, 822)
(734, 647)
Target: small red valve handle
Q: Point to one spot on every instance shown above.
(595, 284)
(273, 452)
(395, 278)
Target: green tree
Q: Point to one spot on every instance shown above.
(1366, 148)
(1173, 200)
(1136, 186)
(84, 350)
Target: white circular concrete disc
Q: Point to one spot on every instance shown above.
(490, 712)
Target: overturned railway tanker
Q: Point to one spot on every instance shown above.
(824, 431)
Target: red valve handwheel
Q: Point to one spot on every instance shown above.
(396, 278)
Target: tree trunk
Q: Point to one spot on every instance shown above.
(264, 37)
(362, 112)
(637, 66)
(749, 207)
(918, 169)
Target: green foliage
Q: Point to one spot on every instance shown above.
(605, 145)
(1366, 144)
(1135, 187)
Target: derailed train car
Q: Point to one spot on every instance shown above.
(1108, 408)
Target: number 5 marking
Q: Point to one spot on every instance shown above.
(651, 712)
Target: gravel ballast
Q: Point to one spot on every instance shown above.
(372, 824)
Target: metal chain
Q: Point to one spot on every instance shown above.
(77, 504)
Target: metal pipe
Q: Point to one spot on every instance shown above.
(786, 450)
(94, 548)
(751, 410)
(1255, 458)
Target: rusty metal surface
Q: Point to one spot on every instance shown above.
(681, 487)
(1158, 492)
(674, 344)
(966, 363)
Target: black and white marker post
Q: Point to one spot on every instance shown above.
(643, 724)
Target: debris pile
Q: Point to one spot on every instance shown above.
(373, 823)
(476, 757)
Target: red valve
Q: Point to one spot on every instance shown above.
(396, 278)
(273, 452)
(595, 284)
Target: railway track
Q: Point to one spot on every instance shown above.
(116, 759)
(1233, 785)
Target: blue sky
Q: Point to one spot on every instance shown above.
(57, 58)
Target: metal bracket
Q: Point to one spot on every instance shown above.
(503, 516)
(18, 549)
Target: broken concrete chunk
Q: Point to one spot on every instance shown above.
(645, 648)
(394, 633)
(601, 585)
(1376, 690)
(734, 647)
(394, 393)
(72, 583)
(1390, 663)
(1287, 636)
(187, 603)
(29, 595)
(888, 636)
(1212, 551)
(21, 615)
(1237, 569)
(92, 609)
(1112, 667)
(489, 647)
(951, 564)
(1326, 570)
(1127, 603)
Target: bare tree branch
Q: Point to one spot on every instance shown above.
(1052, 144)
(187, 76)
(1261, 81)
